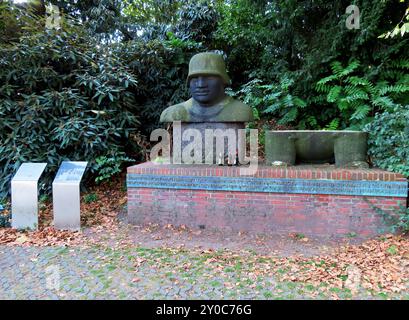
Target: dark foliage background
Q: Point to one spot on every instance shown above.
(94, 88)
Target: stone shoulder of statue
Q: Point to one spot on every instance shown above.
(207, 80)
(228, 110)
(177, 112)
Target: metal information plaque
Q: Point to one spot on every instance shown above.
(66, 195)
(24, 196)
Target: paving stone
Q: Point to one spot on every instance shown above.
(84, 274)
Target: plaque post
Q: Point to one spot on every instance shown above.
(24, 196)
(66, 195)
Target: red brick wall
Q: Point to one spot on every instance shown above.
(309, 214)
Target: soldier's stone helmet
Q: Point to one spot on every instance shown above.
(208, 63)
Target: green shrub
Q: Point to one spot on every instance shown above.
(78, 93)
(396, 222)
(273, 100)
(389, 140)
(108, 166)
(4, 218)
(5, 221)
(161, 67)
(402, 221)
(63, 96)
(357, 97)
(90, 197)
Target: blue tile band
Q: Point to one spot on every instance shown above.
(274, 185)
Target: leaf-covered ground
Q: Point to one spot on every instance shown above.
(111, 259)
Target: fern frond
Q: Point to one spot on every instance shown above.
(272, 96)
(321, 83)
(384, 102)
(290, 116)
(298, 102)
(371, 88)
(273, 108)
(334, 93)
(337, 68)
(402, 64)
(350, 68)
(286, 83)
(288, 101)
(355, 104)
(356, 81)
(357, 96)
(354, 93)
(343, 105)
(398, 88)
(361, 112)
(320, 99)
(312, 121)
(381, 87)
(268, 87)
(393, 74)
(404, 79)
(333, 125)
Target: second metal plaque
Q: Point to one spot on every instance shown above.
(66, 195)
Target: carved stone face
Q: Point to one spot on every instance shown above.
(207, 90)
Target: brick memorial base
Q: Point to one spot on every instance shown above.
(320, 201)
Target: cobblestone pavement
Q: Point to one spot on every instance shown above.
(134, 273)
(95, 273)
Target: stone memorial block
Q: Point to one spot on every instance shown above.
(209, 109)
(345, 148)
(24, 196)
(66, 195)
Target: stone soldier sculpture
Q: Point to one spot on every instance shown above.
(207, 80)
(209, 107)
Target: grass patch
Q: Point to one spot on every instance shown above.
(215, 283)
(310, 287)
(90, 198)
(392, 250)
